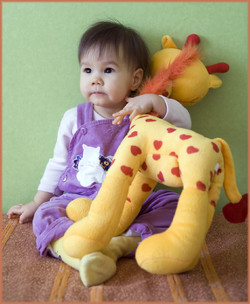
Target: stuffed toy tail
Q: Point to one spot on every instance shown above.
(236, 211)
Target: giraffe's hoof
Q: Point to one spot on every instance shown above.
(78, 209)
(163, 255)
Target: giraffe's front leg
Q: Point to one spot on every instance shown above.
(177, 249)
(95, 231)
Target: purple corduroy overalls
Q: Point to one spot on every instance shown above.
(90, 154)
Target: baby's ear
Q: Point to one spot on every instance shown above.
(137, 79)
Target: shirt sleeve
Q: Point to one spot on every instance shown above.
(176, 113)
(57, 164)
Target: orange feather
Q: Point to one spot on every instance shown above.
(165, 77)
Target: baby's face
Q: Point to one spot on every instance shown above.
(105, 80)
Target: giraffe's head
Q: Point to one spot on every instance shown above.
(195, 81)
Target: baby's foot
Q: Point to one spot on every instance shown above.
(96, 268)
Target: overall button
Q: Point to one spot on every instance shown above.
(84, 131)
(64, 178)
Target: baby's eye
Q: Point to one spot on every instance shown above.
(87, 70)
(109, 70)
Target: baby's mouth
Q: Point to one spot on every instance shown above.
(97, 93)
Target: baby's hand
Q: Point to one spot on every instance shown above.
(26, 212)
(142, 104)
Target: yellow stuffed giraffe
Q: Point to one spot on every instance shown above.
(156, 151)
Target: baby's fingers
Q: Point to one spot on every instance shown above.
(117, 120)
(15, 210)
(118, 117)
(133, 115)
(25, 218)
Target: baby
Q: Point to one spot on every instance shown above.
(113, 64)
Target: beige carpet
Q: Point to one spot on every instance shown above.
(221, 275)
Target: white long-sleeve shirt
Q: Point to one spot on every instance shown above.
(176, 114)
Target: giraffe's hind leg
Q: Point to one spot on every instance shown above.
(177, 249)
(213, 197)
(214, 193)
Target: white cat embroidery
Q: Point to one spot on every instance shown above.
(89, 168)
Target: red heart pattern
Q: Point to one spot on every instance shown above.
(150, 120)
(192, 149)
(127, 170)
(156, 156)
(160, 177)
(201, 186)
(133, 134)
(185, 136)
(157, 144)
(173, 154)
(171, 130)
(144, 166)
(135, 150)
(176, 171)
(215, 147)
(146, 188)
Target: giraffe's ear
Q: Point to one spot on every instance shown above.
(167, 42)
(214, 81)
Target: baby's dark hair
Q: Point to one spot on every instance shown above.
(114, 35)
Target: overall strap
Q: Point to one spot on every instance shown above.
(84, 113)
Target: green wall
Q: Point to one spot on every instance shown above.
(41, 75)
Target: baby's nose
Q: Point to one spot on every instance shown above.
(97, 81)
